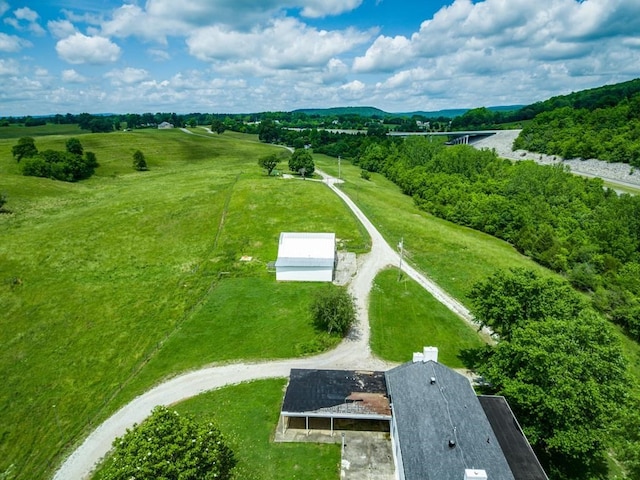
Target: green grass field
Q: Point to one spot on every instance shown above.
(248, 415)
(109, 285)
(404, 318)
(17, 131)
(455, 257)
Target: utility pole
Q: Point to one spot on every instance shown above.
(401, 248)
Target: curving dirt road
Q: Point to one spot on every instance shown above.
(353, 353)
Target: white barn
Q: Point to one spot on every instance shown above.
(306, 257)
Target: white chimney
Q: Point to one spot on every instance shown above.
(418, 357)
(430, 353)
(472, 474)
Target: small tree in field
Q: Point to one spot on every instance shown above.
(3, 200)
(269, 162)
(26, 148)
(170, 446)
(333, 310)
(74, 146)
(139, 162)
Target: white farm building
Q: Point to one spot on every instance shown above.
(306, 257)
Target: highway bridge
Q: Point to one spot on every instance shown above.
(457, 138)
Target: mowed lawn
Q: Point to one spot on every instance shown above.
(247, 414)
(130, 272)
(455, 257)
(405, 318)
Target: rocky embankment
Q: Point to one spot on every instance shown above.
(619, 173)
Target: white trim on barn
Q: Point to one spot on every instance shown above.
(306, 257)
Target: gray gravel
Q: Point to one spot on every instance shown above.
(615, 172)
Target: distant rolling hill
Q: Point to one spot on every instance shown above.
(373, 111)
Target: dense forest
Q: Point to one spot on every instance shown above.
(611, 133)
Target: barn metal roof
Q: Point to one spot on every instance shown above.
(306, 250)
(520, 456)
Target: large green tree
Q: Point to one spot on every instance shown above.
(510, 298)
(74, 146)
(302, 162)
(566, 381)
(218, 126)
(170, 446)
(26, 148)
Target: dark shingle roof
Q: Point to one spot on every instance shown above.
(429, 415)
(336, 392)
(521, 458)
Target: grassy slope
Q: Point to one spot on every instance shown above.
(96, 278)
(454, 256)
(250, 424)
(404, 318)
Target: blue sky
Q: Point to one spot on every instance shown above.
(231, 56)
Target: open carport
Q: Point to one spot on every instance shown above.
(332, 400)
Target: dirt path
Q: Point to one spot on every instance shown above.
(353, 353)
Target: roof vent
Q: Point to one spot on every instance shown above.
(473, 474)
(432, 380)
(452, 444)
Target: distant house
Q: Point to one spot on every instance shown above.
(165, 125)
(440, 429)
(306, 257)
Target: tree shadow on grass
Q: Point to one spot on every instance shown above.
(473, 358)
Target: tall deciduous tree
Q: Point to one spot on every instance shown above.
(218, 126)
(566, 381)
(513, 297)
(269, 162)
(74, 146)
(139, 162)
(170, 446)
(26, 148)
(302, 159)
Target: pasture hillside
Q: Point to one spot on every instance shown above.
(97, 277)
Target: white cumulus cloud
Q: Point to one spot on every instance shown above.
(71, 76)
(25, 19)
(94, 50)
(11, 43)
(386, 54)
(61, 28)
(323, 8)
(127, 76)
(285, 43)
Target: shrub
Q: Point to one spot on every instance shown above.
(333, 310)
